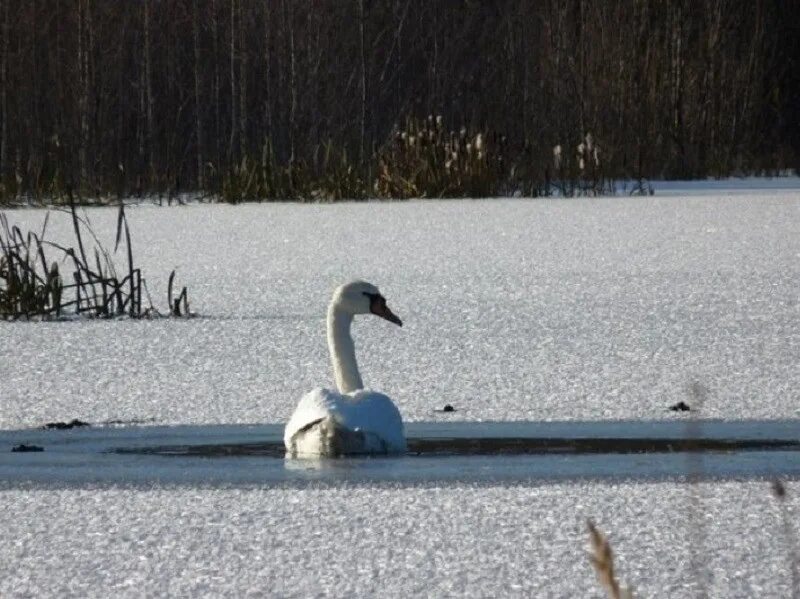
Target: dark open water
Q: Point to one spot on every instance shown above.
(474, 452)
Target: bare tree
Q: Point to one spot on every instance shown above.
(121, 97)
(149, 97)
(288, 14)
(363, 57)
(232, 141)
(267, 74)
(242, 83)
(4, 92)
(198, 120)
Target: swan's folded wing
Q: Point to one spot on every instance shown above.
(313, 407)
(373, 412)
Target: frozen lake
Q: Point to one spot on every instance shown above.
(557, 314)
(531, 310)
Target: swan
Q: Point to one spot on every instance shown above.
(349, 420)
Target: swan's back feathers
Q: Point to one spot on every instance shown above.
(328, 423)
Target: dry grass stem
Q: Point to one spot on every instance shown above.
(779, 491)
(602, 558)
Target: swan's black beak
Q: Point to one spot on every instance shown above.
(378, 307)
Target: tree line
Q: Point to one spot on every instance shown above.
(164, 96)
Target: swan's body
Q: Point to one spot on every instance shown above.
(351, 420)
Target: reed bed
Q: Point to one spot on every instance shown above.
(31, 284)
(420, 158)
(423, 159)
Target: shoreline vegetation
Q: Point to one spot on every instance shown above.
(32, 287)
(291, 100)
(422, 160)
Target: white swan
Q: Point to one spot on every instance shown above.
(352, 420)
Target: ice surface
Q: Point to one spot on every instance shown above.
(561, 309)
(384, 541)
(513, 309)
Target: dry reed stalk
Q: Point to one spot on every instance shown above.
(779, 491)
(602, 558)
(698, 393)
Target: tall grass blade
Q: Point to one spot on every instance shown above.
(120, 218)
(169, 290)
(77, 227)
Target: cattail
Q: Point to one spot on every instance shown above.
(557, 156)
(439, 121)
(55, 286)
(469, 148)
(479, 142)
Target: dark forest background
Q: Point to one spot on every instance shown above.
(234, 96)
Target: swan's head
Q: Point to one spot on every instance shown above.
(360, 297)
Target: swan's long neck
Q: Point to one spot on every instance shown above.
(343, 351)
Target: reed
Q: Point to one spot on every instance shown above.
(779, 492)
(338, 177)
(423, 160)
(29, 288)
(602, 559)
(178, 306)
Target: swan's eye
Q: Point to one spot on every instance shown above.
(376, 301)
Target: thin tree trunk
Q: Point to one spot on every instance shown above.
(363, 57)
(289, 17)
(217, 111)
(432, 98)
(59, 86)
(89, 95)
(150, 100)
(83, 100)
(198, 121)
(582, 67)
(232, 141)
(242, 85)
(677, 87)
(4, 92)
(267, 77)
